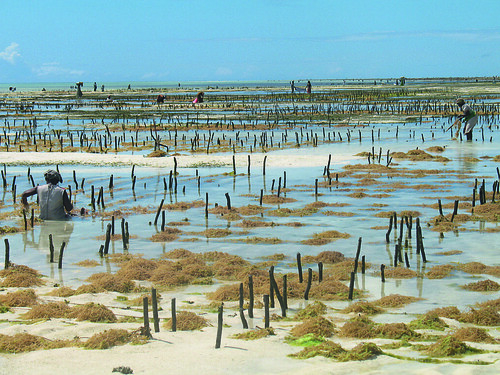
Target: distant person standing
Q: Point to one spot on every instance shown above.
(292, 86)
(469, 116)
(53, 199)
(95, 86)
(308, 87)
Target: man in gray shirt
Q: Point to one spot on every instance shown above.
(53, 199)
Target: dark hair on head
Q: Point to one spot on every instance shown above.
(52, 177)
(460, 102)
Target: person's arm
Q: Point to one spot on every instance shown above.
(26, 194)
(68, 206)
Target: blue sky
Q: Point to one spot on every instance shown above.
(215, 40)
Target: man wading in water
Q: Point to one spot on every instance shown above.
(470, 118)
(53, 199)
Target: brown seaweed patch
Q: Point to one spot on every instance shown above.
(398, 273)
(361, 352)
(319, 326)
(216, 233)
(482, 286)
(338, 213)
(286, 212)
(359, 327)
(488, 211)
(418, 155)
(255, 224)
(262, 240)
(274, 199)
(113, 337)
(157, 154)
(327, 257)
(187, 321)
(430, 320)
(440, 271)
(48, 310)
(20, 298)
(255, 334)
(92, 312)
(327, 349)
(25, 342)
(63, 291)
(315, 309)
(20, 276)
(450, 312)
(178, 254)
(88, 263)
(183, 206)
(473, 334)
(137, 269)
(485, 316)
(395, 300)
(111, 282)
(363, 307)
(167, 235)
(324, 238)
(395, 331)
(331, 289)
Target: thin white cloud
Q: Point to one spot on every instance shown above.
(55, 70)
(10, 53)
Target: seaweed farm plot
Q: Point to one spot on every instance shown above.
(367, 205)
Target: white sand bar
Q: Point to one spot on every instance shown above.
(289, 158)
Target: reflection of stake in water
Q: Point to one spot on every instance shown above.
(52, 234)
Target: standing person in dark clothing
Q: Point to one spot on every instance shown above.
(469, 117)
(53, 200)
(308, 87)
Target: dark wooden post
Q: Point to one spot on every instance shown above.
(220, 322)
(174, 315)
(147, 329)
(251, 297)
(154, 304)
(61, 251)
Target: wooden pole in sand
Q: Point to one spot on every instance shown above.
(154, 304)
(145, 313)
(309, 281)
(266, 311)
(174, 315)
(351, 286)
(251, 296)
(219, 326)
(7, 254)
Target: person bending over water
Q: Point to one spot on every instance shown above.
(469, 116)
(53, 200)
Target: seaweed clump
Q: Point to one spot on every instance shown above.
(325, 237)
(48, 310)
(473, 334)
(482, 286)
(363, 307)
(25, 342)
(20, 276)
(187, 321)
(20, 298)
(395, 300)
(311, 311)
(318, 326)
(449, 346)
(361, 352)
(359, 327)
(429, 320)
(255, 334)
(113, 337)
(485, 316)
(327, 349)
(395, 331)
(93, 312)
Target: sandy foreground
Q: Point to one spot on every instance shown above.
(193, 352)
(289, 158)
